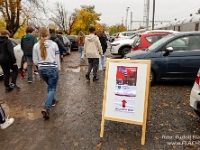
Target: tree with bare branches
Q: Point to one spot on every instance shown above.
(17, 12)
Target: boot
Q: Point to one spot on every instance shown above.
(95, 78)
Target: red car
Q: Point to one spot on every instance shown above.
(144, 40)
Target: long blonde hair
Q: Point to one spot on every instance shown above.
(81, 38)
(44, 35)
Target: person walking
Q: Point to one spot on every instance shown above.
(46, 57)
(92, 49)
(27, 44)
(59, 35)
(59, 42)
(8, 61)
(102, 39)
(5, 122)
(80, 40)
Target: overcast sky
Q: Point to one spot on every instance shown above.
(113, 11)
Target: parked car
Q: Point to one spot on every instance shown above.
(112, 37)
(18, 53)
(174, 57)
(195, 95)
(138, 41)
(122, 47)
(72, 39)
(124, 35)
(67, 44)
(144, 40)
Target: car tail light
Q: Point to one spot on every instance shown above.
(197, 79)
(117, 37)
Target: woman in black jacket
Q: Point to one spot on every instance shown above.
(102, 39)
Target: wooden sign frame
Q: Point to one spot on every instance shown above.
(144, 69)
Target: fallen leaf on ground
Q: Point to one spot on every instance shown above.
(76, 144)
(99, 144)
(165, 104)
(192, 145)
(187, 94)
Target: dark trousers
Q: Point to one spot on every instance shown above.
(93, 63)
(6, 71)
(2, 115)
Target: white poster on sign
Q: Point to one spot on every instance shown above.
(124, 104)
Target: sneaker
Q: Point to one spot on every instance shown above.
(35, 72)
(30, 81)
(14, 87)
(8, 89)
(95, 78)
(45, 113)
(87, 77)
(54, 103)
(8, 122)
(22, 73)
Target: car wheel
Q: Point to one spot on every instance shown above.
(197, 112)
(152, 77)
(125, 51)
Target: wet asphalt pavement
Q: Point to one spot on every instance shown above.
(75, 122)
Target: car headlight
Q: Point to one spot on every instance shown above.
(115, 44)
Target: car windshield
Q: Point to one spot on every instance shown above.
(136, 40)
(131, 37)
(159, 42)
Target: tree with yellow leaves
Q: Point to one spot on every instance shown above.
(86, 17)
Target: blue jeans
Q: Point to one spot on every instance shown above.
(50, 76)
(80, 50)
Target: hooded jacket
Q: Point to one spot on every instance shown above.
(6, 50)
(54, 38)
(27, 44)
(92, 46)
(53, 56)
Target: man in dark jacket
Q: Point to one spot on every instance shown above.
(8, 61)
(27, 44)
(59, 42)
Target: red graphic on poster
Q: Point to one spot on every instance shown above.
(124, 103)
(126, 75)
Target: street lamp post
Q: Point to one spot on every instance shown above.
(153, 14)
(127, 15)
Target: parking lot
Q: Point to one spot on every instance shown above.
(75, 121)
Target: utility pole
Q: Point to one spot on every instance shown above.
(147, 19)
(126, 16)
(153, 14)
(131, 20)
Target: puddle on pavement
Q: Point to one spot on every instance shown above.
(76, 69)
(20, 112)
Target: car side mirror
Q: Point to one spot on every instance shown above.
(169, 49)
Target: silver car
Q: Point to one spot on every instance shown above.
(18, 53)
